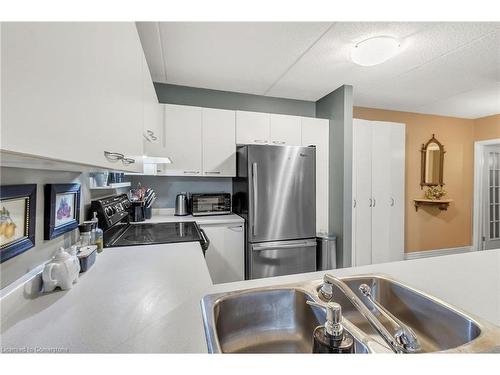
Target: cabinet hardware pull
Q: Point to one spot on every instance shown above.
(371, 202)
(152, 135)
(392, 202)
(213, 172)
(279, 142)
(374, 202)
(113, 156)
(128, 161)
(260, 141)
(193, 172)
(354, 205)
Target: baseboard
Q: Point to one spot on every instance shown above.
(437, 252)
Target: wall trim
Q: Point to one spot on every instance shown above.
(438, 252)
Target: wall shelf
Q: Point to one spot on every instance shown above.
(111, 186)
(442, 204)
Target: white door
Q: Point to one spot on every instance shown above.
(315, 133)
(491, 197)
(397, 188)
(226, 253)
(183, 140)
(285, 130)
(252, 128)
(381, 191)
(362, 192)
(219, 142)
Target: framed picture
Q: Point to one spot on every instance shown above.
(17, 219)
(62, 209)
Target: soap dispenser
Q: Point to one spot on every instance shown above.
(331, 337)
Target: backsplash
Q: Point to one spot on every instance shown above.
(19, 265)
(167, 187)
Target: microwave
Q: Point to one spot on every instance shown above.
(205, 204)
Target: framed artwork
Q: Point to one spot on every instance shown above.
(62, 209)
(17, 219)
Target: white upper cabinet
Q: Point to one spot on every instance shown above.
(315, 133)
(219, 142)
(183, 140)
(252, 128)
(73, 91)
(153, 139)
(285, 130)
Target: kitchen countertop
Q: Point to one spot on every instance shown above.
(147, 298)
(167, 217)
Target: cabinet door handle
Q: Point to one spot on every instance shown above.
(371, 202)
(152, 135)
(354, 205)
(260, 141)
(374, 202)
(392, 202)
(238, 228)
(113, 156)
(279, 142)
(128, 161)
(192, 172)
(213, 172)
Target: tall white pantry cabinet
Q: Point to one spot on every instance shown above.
(378, 192)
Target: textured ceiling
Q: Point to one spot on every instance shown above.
(450, 69)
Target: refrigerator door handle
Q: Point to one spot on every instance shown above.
(285, 245)
(255, 195)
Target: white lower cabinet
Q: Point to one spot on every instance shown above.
(226, 254)
(378, 192)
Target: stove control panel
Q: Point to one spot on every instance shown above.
(111, 210)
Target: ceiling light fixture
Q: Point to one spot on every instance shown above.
(374, 51)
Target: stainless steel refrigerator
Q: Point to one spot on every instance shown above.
(274, 191)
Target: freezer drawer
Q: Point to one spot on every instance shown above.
(268, 259)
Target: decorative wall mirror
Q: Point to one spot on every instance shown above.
(432, 163)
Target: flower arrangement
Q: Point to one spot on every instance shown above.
(435, 192)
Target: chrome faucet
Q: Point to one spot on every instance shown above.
(403, 340)
(404, 335)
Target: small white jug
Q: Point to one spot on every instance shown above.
(62, 271)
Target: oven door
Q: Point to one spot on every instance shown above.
(268, 259)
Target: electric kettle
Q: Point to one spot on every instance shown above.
(181, 204)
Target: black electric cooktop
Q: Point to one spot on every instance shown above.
(155, 233)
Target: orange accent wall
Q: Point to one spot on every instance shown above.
(487, 128)
(430, 228)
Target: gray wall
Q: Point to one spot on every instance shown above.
(184, 95)
(16, 267)
(168, 187)
(337, 107)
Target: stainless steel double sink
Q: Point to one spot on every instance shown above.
(278, 320)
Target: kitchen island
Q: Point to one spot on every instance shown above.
(147, 299)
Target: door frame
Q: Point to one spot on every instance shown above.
(478, 217)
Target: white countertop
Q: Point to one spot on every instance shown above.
(167, 217)
(147, 298)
